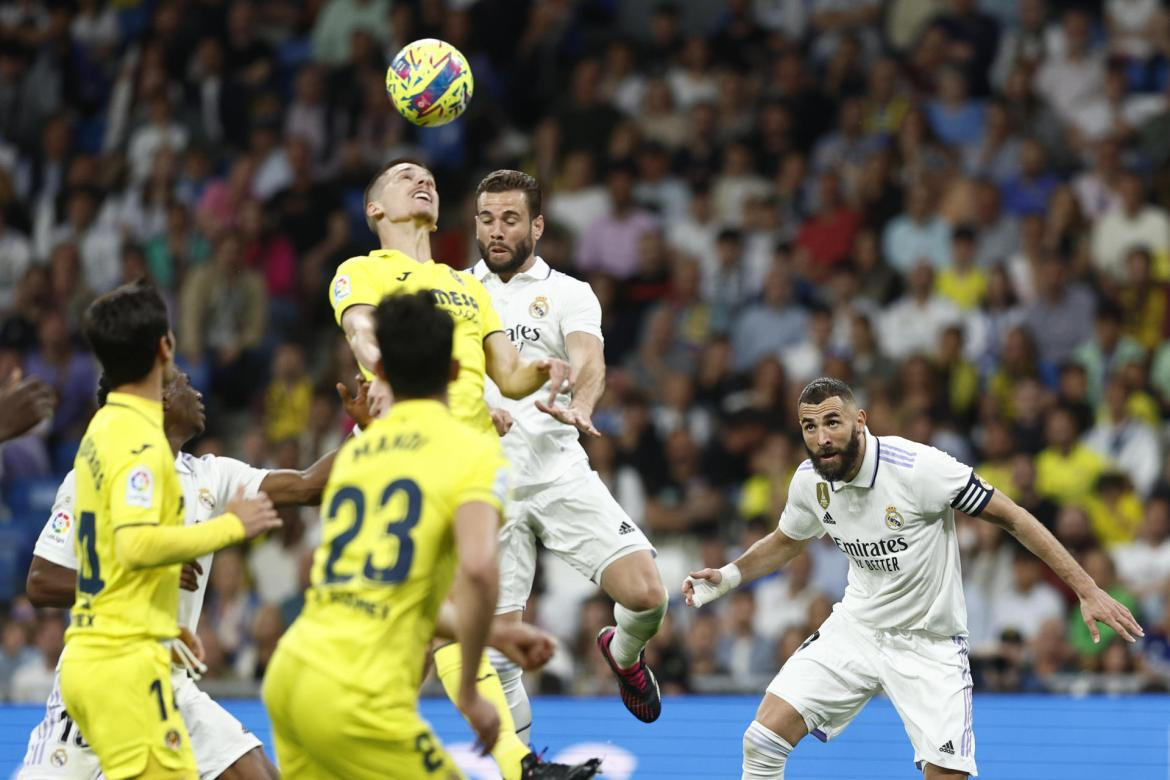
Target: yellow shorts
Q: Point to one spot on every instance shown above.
(325, 731)
(120, 697)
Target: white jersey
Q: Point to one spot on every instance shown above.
(540, 308)
(896, 522)
(208, 484)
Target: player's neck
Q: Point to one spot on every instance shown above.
(412, 238)
(507, 276)
(176, 441)
(853, 472)
(149, 387)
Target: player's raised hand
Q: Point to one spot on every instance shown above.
(189, 576)
(570, 415)
(23, 404)
(525, 644)
(558, 377)
(357, 406)
(482, 718)
(704, 586)
(1100, 607)
(257, 513)
(501, 419)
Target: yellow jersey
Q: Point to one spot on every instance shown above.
(125, 474)
(387, 553)
(370, 278)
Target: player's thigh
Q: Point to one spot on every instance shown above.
(139, 726)
(218, 740)
(517, 555)
(579, 521)
(829, 679)
(57, 750)
(928, 680)
(253, 765)
(782, 718)
(633, 581)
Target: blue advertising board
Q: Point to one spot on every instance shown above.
(1024, 737)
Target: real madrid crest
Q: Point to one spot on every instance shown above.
(539, 307)
(206, 499)
(894, 519)
(823, 494)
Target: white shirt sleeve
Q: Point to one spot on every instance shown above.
(582, 313)
(945, 482)
(55, 544)
(799, 521)
(231, 474)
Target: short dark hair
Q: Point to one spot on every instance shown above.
(415, 337)
(824, 388)
(103, 390)
(124, 327)
(505, 180)
(369, 191)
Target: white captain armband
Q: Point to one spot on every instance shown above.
(973, 498)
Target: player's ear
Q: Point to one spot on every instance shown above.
(861, 417)
(166, 348)
(373, 211)
(454, 370)
(538, 227)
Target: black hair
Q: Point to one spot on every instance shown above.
(415, 338)
(124, 327)
(512, 181)
(824, 388)
(103, 390)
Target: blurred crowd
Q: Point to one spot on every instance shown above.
(961, 207)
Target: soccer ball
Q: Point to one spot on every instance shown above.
(429, 82)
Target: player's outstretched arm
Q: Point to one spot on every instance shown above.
(360, 331)
(518, 378)
(143, 546)
(587, 377)
(526, 645)
(50, 584)
(289, 487)
(769, 554)
(1097, 606)
(476, 587)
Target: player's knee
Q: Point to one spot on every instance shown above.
(649, 595)
(764, 753)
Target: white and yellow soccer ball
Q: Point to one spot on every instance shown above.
(429, 82)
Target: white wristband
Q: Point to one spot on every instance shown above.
(731, 576)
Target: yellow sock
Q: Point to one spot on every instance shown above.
(509, 750)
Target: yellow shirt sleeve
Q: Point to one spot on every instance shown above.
(136, 487)
(354, 284)
(486, 479)
(143, 546)
(489, 318)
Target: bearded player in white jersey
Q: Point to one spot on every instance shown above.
(556, 497)
(223, 747)
(888, 503)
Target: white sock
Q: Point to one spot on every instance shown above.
(513, 685)
(764, 753)
(634, 630)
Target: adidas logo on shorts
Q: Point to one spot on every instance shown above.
(948, 748)
(625, 528)
(828, 519)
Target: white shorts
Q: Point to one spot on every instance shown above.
(927, 678)
(576, 518)
(57, 751)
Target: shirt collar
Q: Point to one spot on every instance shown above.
(539, 271)
(390, 254)
(867, 474)
(152, 410)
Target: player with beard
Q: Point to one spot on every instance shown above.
(402, 209)
(888, 503)
(556, 497)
